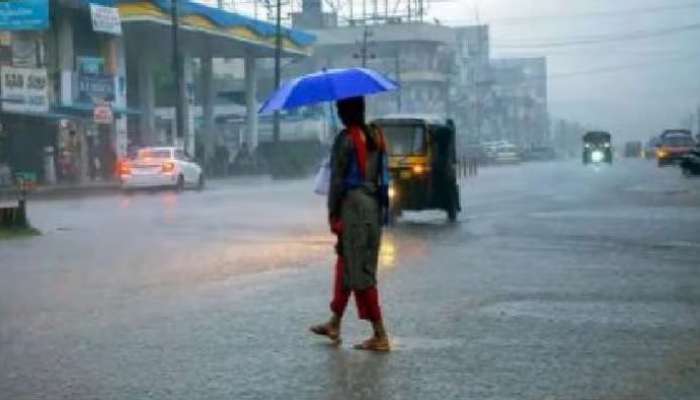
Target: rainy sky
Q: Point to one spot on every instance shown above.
(637, 73)
(628, 66)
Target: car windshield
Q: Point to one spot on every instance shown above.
(404, 140)
(678, 140)
(154, 153)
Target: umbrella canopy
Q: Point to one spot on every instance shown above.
(327, 85)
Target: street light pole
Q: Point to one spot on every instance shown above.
(278, 56)
(177, 70)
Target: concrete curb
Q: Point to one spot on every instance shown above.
(62, 191)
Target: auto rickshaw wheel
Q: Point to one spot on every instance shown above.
(453, 206)
(452, 212)
(394, 214)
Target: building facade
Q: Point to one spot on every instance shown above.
(63, 110)
(442, 70)
(516, 105)
(68, 107)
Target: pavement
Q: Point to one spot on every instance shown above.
(558, 282)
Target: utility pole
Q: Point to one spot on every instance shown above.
(278, 56)
(364, 12)
(365, 36)
(397, 72)
(180, 91)
(364, 47)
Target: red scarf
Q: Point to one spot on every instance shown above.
(359, 141)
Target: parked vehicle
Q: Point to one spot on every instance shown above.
(161, 167)
(690, 163)
(674, 145)
(422, 163)
(633, 149)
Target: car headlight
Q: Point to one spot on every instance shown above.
(392, 192)
(418, 169)
(597, 156)
(587, 145)
(607, 145)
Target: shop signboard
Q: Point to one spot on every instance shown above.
(24, 15)
(24, 89)
(103, 114)
(105, 19)
(94, 87)
(90, 65)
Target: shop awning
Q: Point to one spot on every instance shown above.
(52, 114)
(86, 110)
(197, 17)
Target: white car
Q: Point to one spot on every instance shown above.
(161, 167)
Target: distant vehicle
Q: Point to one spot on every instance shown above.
(690, 163)
(597, 148)
(161, 167)
(633, 149)
(674, 144)
(506, 154)
(422, 161)
(540, 153)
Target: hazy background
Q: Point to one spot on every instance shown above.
(640, 75)
(634, 87)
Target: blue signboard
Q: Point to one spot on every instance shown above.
(95, 86)
(19, 15)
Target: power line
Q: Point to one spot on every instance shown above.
(596, 51)
(604, 36)
(636, 35)
(602, 70)
(604, 14)
(595, 71)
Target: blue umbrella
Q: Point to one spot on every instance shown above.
(327, 85)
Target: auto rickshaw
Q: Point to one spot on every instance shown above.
(422, 161)
(597, 148)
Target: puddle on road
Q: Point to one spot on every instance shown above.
(657, 314)
(685, 214)
(404, 343)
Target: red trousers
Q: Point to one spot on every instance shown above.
(367, 300)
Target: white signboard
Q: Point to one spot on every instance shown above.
(102, 114)
(105, 19)
(24, 89)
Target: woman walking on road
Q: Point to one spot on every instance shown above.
(357, 202)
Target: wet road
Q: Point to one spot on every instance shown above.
(559, 282)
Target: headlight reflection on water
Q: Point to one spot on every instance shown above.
(387, 252)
